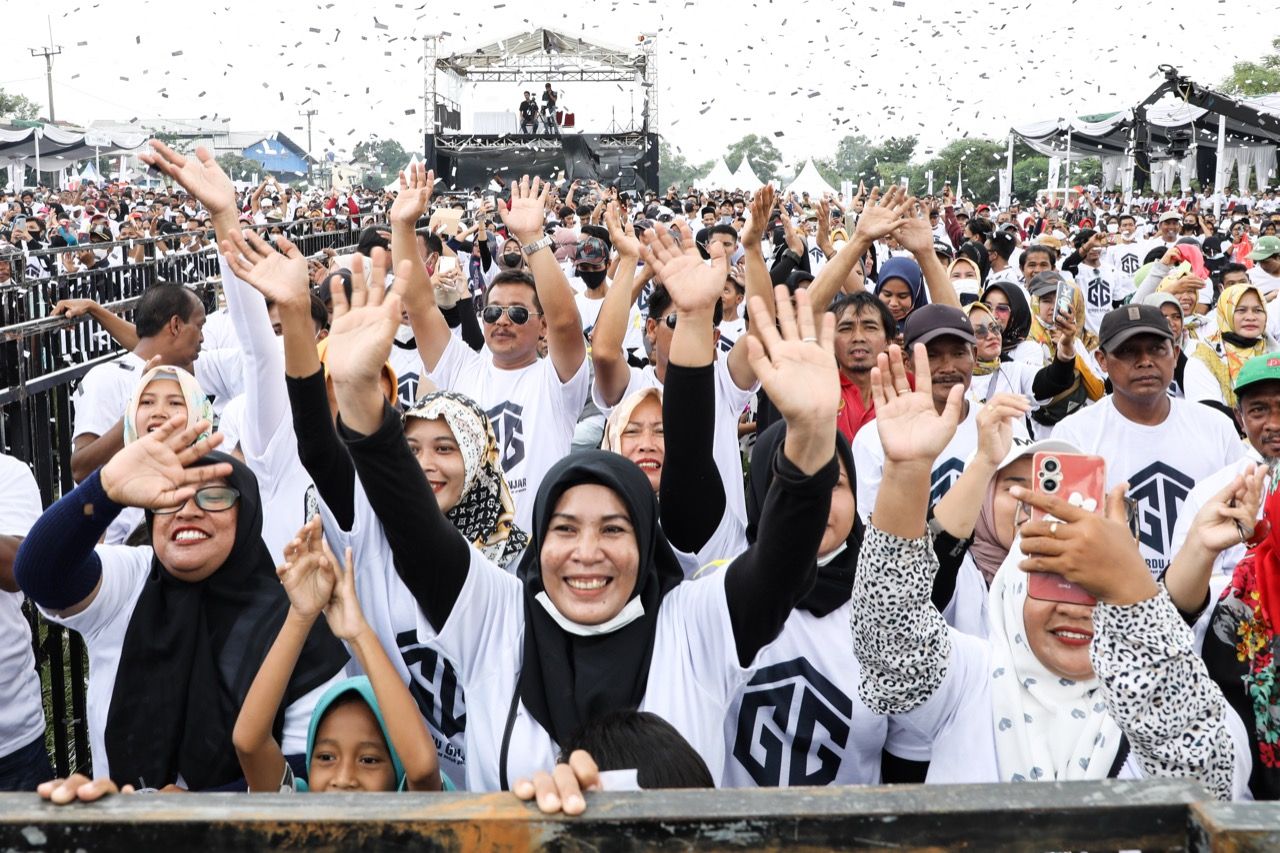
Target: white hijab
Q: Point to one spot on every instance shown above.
(1047, 728)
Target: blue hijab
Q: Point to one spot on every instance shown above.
(909, 271)
(359, 684)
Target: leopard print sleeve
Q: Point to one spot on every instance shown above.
(1157, 689)
(899, 637)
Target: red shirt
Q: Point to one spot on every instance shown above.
(853, 413)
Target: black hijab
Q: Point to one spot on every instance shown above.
(835, 580)
(1019, 326)
(190, 652)
(567, 680)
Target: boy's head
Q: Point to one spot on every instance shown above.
(348, 748)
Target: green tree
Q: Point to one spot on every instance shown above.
(977, 161)
(237, 166)
(857, 158)
(760, 152)
(1250, 79)
(1030, 175)
(18, 107)
(674, 167)
(386, 156)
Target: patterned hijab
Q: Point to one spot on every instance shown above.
(1047, 728)
(1235, 348)
(983, 368)
(485, 514)
(198, 406)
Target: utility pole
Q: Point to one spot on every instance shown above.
(309, 114)
(48, 53)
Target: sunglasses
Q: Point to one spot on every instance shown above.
(1002, 309)
(984, 329)
(517, 314)
(670, 320)
(209, 499)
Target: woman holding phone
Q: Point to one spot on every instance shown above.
(1058, 691)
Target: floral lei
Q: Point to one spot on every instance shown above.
(1256, 647)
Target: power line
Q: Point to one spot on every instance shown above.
(48, 53)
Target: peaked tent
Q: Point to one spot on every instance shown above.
(745, 178)
(395, 185)
(719, 179)
(809, 181)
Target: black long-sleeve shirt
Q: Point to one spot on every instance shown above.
(762, 585)
(320, 451)
(691, 496)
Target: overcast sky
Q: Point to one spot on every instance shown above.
(810, 70)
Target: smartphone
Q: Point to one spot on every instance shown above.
(447, 263)
(1081, 481)
(1063, 300)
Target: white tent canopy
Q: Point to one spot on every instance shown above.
(56, 148)
(745, 178)
(719, 179)
(395, 185)
(809, 181)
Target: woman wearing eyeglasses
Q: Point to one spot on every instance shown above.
(175, 629)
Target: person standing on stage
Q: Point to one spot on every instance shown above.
(549, 98)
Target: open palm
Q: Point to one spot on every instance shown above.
(882, 214)
(342, 611)
(915, 235)
(911, 430)
(279, 277)
(692, 283)
(411, 203)
(526, 213)
(621, 234)
(200, 175)
(796, 366)
(155, 471)
(362, 332)
(758, 216)
(306, 575)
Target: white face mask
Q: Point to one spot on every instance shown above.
(99, 254)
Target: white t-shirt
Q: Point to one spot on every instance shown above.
(868, 458)
(392, 613)
(407, 364)
(799, 720)
(693, 676)
(21, 712)
(103, 625)
(533, 413)
(1099, 287)
(1124, 259)
(967, 610)
(1263, 280)
(731, 328)
(730, 403)
(1162, 463)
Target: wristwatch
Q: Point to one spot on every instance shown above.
(536, 246)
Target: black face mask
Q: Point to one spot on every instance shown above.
(592, 278)
(511, 259)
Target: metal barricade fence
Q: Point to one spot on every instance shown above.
(42, 360)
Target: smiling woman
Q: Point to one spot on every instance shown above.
(175, 631)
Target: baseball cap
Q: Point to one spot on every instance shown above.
(1128, 321)
(1158, 299)
(1265, 248)
(1170, 214)
(929, 322)
(941, 247)
(1044, 282)
(1024, 447)
(1260, 368)
(591, 250)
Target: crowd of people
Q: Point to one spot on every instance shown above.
(535, 488)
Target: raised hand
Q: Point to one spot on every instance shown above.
(911, 430)
(693, 284)
(155, 471)
(823, 237)
(201, 176)
(794, 241)
(1096, 551)
(1230, 516)
(882, 214)
(795, 362)
(362, 331)
(1063, 335)
(561, 790)
(621, 233)
(279, 277)
(995, 426)
(758, 214)
(307, 576)
(342, 612)
(416, 184)
(525, 214)
(914, 232)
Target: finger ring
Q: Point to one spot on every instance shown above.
(810, 340)
(1053, 529)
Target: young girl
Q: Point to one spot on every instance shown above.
(351, 744)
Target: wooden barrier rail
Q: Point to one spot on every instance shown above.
(1147, 815)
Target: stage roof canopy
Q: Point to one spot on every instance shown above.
(545, 54)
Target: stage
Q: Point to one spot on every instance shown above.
(626, 160)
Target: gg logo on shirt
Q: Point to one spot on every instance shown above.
(1159, 491)
(508, 423)
(944, 477)
(792, 699)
